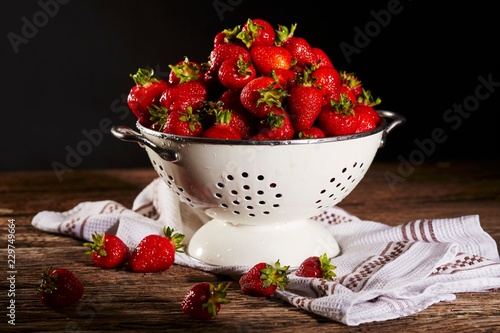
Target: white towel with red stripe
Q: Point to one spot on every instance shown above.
(384, 272)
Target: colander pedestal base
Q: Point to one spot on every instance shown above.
(221, 243)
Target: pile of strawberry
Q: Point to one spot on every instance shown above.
(259, 84)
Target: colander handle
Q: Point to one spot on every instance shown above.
(397, 120)
(125, 133)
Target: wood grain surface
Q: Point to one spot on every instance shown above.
(117, 300)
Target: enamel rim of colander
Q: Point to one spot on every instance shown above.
(201, 140)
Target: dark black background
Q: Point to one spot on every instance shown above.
(73, 73)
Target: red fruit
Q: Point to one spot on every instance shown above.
(221, 129)
(184, 123)
(344, 90)
(304, 105)
(259, 137)
(60, 287)
(268, 57)
(285, 77)
(328, 79)
(236, 73)
(223, 52)
(322, 58)
(300, 49)
(185, 71)
(263, 279)
(257, 32)
(311, 133)
(351, 82)
(156, 253)
(180, 97)
(261, 94)
(337, 118)
(145, 94)
(242, 120)
(368, 118)
(203, 300)
(317, 267)
(277, 125)
(107, 251)
(226, 36)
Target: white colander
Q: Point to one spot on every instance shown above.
(260, 195)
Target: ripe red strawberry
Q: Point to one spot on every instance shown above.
(268, 57)
(60, 287)
(223, 52)
(242, 120)
(317, 267)
(287, 78)
(189, 94)
(145, 94)
(304, 104)
(185, 71)
(328, 79)
(236, 73)
(226, 36)
(322, 58)
(348, 93)
(337, 118)
(351, 82)
(261, 94)
(184, 123)
(277, 125)
(311, 133)
(300, 48)
(107, 251)
(257, 32)
(263, 279)
(203, 300)
(156, 253)
(368, 118)
(221, 128)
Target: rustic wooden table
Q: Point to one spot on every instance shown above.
(119, 300)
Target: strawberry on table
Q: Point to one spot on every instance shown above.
(107, 251)
(203, 300)
(317, 267)
(145, 94)
(156, 253)
(60, 287)
(263, 279)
